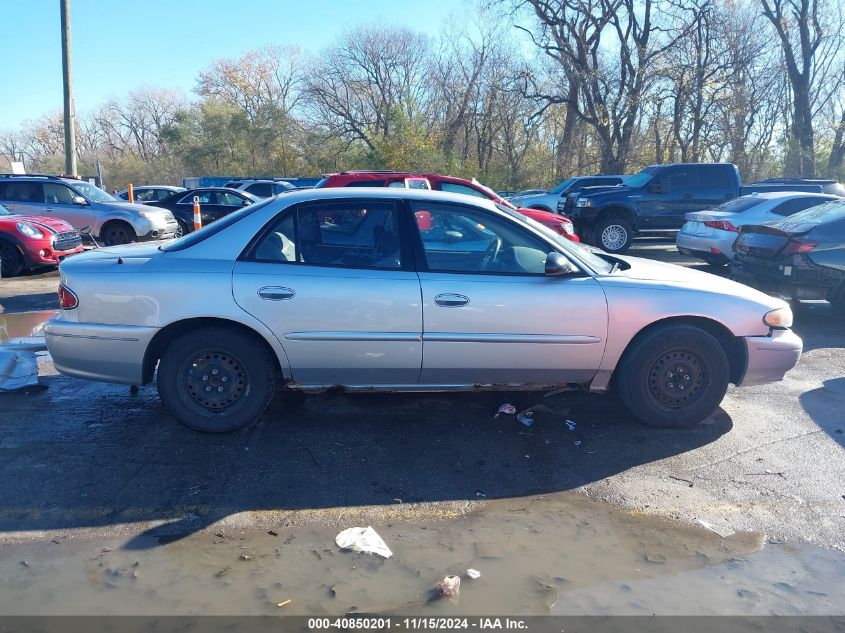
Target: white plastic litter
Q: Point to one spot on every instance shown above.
(570, 425)
(364, 540)
(507, 409)
(18, 367)
(474, 574)
(721, 531)
(526, 417)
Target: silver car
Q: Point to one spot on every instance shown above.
(406, 290)
(83, 205)
(710, 235)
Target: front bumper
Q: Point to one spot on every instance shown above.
(770, 357)
(95, 351)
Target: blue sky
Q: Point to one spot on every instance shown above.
(119, 45)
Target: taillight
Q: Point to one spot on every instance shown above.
(795, 246)
(724, 225)
(67, 299)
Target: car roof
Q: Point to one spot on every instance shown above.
(387, 193)
(771, 195)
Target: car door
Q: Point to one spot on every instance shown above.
(333, 281)
(491, 315)
(673, 199)
(59, 203)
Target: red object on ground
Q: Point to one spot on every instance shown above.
(558, 223)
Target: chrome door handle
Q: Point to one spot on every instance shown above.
(276, 293)
(449, 300)
(48, 210)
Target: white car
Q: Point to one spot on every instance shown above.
(710, 235)
(406, 290)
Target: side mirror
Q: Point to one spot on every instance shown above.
(557, 264)
(658, 186)
(79, 200)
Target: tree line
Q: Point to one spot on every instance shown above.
(516, 93)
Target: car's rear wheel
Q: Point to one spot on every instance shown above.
(613, 234)
(11, 260)
(118, 233)
(216, 379)
(673, 376)
(182, 229)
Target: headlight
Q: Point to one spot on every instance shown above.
(781, 318)
(583, 202)
(29, 230)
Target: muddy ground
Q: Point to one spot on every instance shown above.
(91, 463)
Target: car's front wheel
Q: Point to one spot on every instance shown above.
(613, 234)
(673, 376)
(11, 262)
(118, 233)
(216, 379)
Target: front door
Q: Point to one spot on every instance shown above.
(58, 203)
(333, 282)
(491, 315)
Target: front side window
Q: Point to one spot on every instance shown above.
(92, 192)
(205, 197)
(146, 194)
(466, 240)
(57, 194)
(355, 234)
(230, 200)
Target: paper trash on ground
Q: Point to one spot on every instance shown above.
(364, 540)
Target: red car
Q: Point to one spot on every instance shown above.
(558, 223)
(29, 242)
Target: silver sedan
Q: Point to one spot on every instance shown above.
(405, 290)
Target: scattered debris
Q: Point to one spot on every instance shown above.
(222, 572)
(686, 481)
(473, 574)
(272, 532)
(397, 500)
(658, 559)
(18, 368)
(507, 409)
(721, 531)
(570, 425)
(526, 417)
(449, 587)
(245, 557)
(478, 493)
(284, 602)
(24, 563)
(577, 442)
(364, 540)
(767, 472)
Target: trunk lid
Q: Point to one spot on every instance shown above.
(764, 240)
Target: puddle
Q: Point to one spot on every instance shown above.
(23, 324)
(555, 555)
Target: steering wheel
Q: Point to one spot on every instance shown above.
(491, 253)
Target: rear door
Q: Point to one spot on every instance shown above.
(333, 281)
(491, 315)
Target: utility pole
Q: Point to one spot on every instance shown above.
(67, 80)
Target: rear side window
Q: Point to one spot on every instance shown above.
(21, 191)
(791, 207)
(738, 205)
(829, 212)
(354, 234)
(263, 189)
(715, 177)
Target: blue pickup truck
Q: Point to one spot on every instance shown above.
(658, 198)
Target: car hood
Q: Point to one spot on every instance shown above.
(50, 226)
(683, 278)
(133, 207)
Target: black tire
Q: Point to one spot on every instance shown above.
(231, 399)
(117, 233)
(12, 260)
(183, 229)
(673, 376)
(613, 234)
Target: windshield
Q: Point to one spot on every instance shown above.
(321, 183)
(208, 230)
(641, 179)
(561, 186)
(578, 252)
(92, 193)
